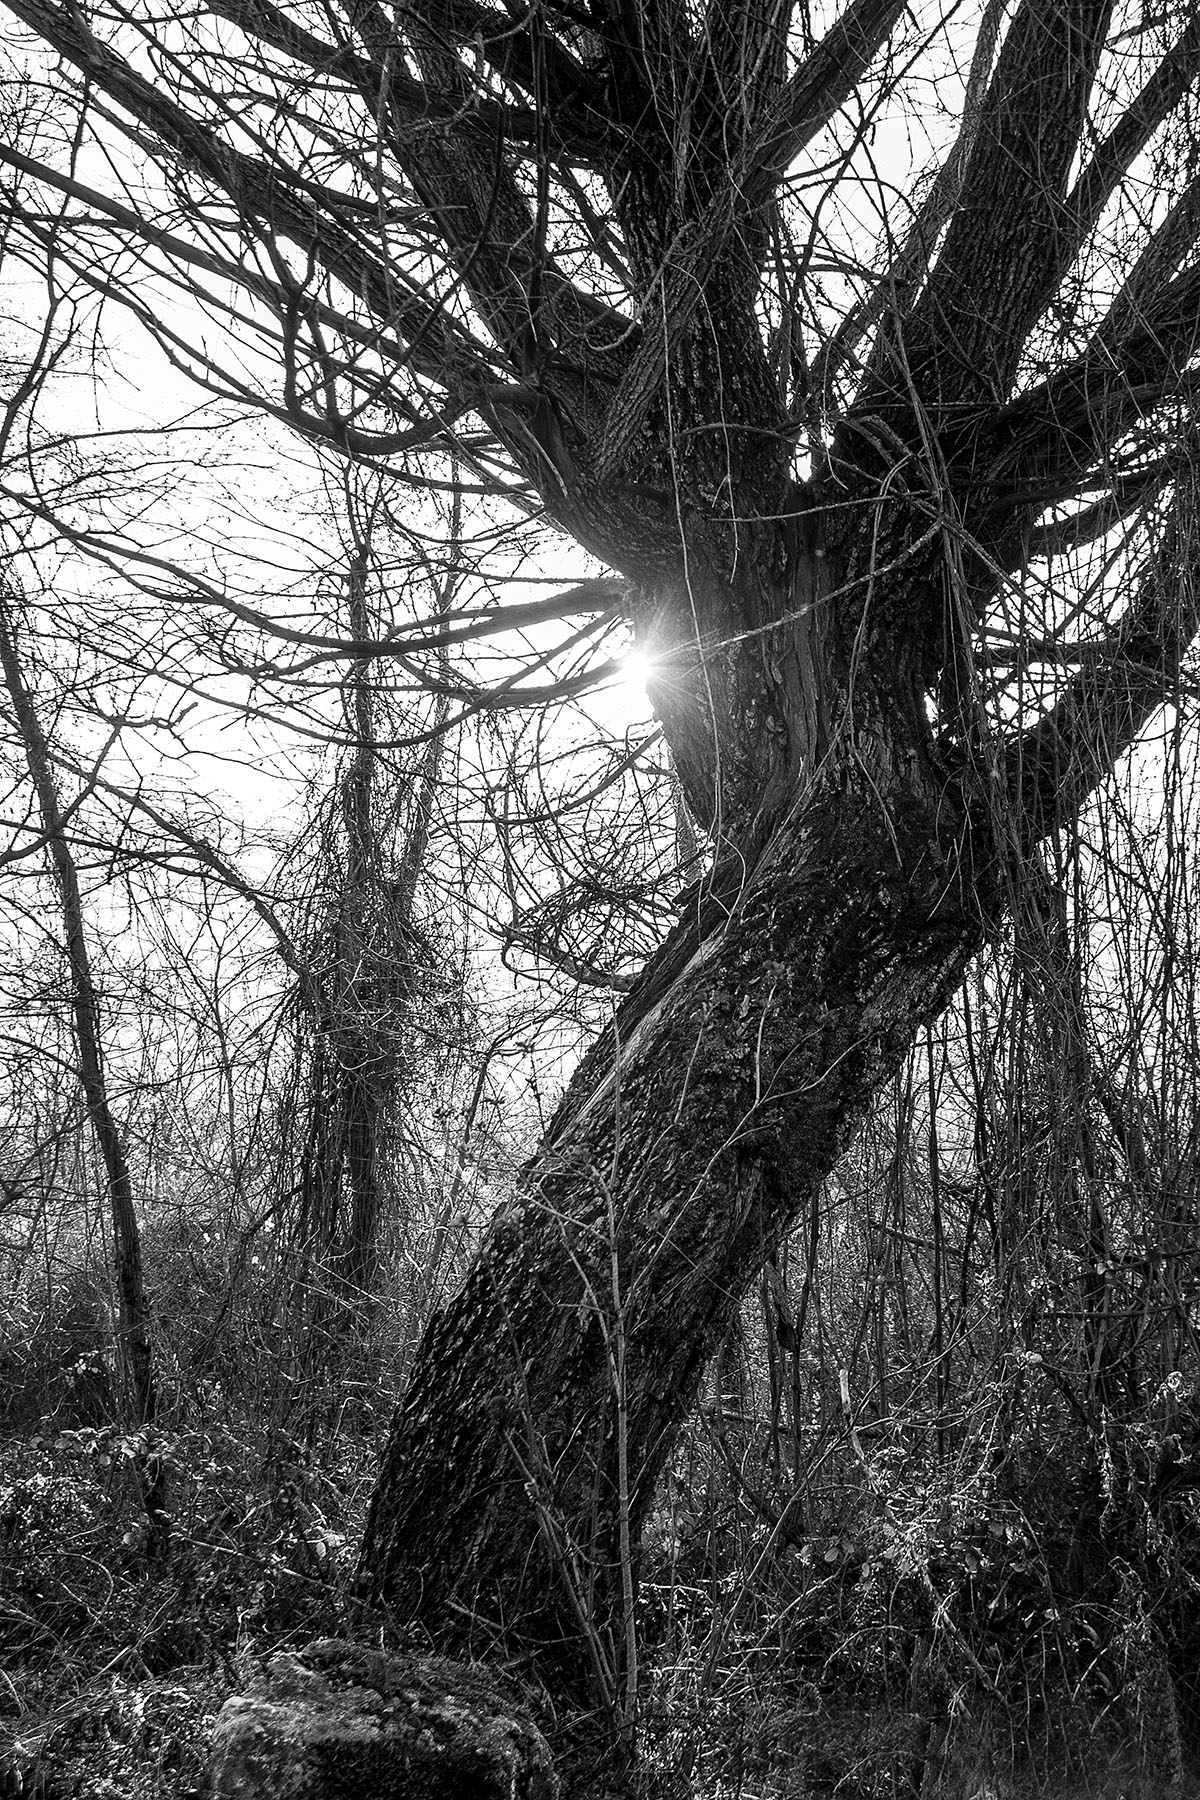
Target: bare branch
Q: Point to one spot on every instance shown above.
(905, 268)
(812, 97)
(1051, 769)
(1129, 137)
(1045, 445)
(1000, 260)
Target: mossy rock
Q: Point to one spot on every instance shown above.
(338, 1722)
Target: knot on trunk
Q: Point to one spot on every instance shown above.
(338, 1722)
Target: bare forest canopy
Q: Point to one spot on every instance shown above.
(732, 279)
(720, 294)
(841, 358)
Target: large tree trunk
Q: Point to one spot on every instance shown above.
(546, 1396)
(860, 862)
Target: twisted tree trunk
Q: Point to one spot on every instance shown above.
(699, 1129)
(861, 863)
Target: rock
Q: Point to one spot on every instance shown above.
(337, 1722)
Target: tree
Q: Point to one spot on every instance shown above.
(137, 1361)
(136, 1358)
(906, 534)
(366, 959)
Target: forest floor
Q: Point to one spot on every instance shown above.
(119, 1738)
(114, 1661)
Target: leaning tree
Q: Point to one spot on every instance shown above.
(859, 345)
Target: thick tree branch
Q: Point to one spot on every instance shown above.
(1079, 529)
(259, 192)
(392, 89)
(1137, 298)
(497, 241)
(1045, 445)
(907, 265)
(528, 56)
(1000, 260)
(695, 265)
(1128, 138)
(1051, 769)
(822, 84)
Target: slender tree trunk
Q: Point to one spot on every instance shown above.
(134, 1335)
(362, 1089)
(358, 1063)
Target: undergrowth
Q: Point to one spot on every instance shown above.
(117, 1647)
(894, 1617)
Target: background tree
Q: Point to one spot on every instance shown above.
(367, 960)
(137, 1360)
(907, 536)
